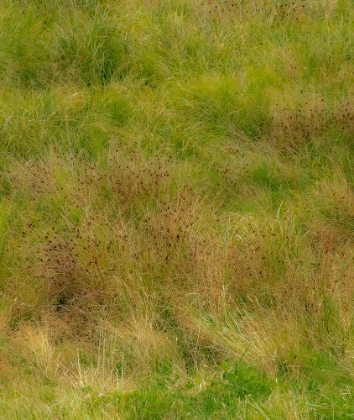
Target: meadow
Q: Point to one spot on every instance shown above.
(176, 209)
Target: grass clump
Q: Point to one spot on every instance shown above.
(176, 209)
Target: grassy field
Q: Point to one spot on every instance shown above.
(176, 209)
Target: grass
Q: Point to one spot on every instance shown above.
(176, 209)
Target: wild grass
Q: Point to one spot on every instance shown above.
(176, 209)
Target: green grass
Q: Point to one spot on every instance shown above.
(176, 209)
